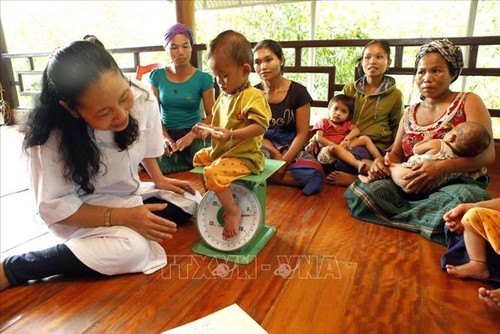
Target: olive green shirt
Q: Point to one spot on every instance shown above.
(377, 116)
(235, 112)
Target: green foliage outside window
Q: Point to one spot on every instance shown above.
(33, 26)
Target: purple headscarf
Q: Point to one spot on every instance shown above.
(175, 30)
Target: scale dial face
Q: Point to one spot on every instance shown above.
(210, 222)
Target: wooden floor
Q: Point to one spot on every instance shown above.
(322, 272)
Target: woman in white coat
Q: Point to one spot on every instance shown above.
(85, 138)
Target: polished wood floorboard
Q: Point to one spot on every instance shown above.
(322, 272)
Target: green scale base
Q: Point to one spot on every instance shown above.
(244, 255)
(247, 253)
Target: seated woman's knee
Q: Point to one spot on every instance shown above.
(131, 250)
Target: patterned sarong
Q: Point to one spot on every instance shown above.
(383, 202)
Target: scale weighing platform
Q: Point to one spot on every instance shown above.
(250, 195)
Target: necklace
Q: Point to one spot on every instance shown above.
(242, 88)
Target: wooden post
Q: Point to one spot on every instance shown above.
(184, 10)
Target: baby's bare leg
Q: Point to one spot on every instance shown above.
(398, 173)
(232, 214)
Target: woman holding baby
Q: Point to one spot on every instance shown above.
(419, 209)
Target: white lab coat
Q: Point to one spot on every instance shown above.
(108, 250)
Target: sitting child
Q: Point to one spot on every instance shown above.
(241, 115)
(467, 139)
(480, 225)
(336, 135)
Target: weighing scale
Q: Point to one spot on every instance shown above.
(250, 195)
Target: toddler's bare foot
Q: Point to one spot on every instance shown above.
(231, 224)
(490, 297)
(474, 269)
(364, 178)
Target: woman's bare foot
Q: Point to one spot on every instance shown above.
(490, 297)
(4, 282)
(231, 224)
(340, 179)
(474, 269)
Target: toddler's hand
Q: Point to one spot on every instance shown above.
(455, 226)
(208, 128)
(199, 132)
(221, 134)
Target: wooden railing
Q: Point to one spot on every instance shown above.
(13, 79)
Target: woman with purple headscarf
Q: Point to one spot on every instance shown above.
(419, 209)
(180, 87)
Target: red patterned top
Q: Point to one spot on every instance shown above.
(333, 132)
(414, 133)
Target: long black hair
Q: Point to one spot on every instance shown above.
(70, 71)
